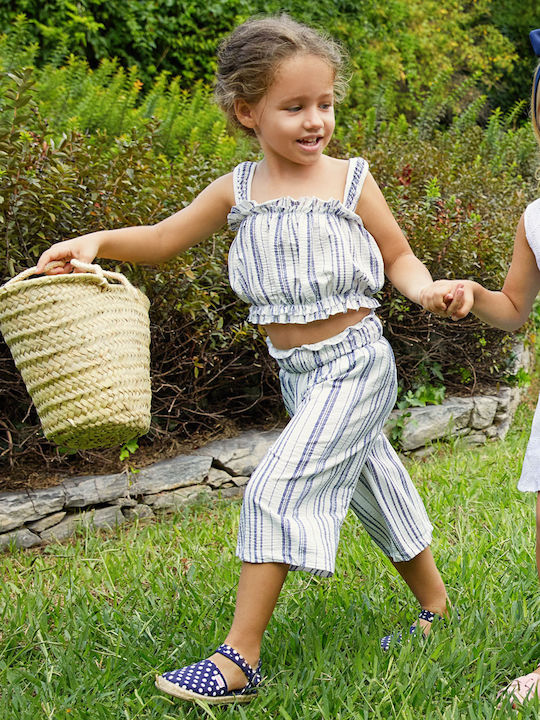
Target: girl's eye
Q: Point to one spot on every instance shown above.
(326, 106)
(294, 108)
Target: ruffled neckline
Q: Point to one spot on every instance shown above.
(288, 204)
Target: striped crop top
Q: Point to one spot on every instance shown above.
(296, 261)
(531, 219)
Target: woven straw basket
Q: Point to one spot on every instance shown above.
(82, 345)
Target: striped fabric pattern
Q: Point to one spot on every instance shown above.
(332, 454)
(302, 260)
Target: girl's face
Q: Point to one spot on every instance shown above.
(295, 119)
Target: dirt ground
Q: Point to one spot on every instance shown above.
(54, 468)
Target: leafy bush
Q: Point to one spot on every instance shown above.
(451, 192)
(515, 19)
(396, 47)
(458, 197)
(201, 342)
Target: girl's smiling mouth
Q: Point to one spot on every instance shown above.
(311, 142)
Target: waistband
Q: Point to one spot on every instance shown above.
(312, 355)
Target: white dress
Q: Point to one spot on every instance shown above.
(530, 473)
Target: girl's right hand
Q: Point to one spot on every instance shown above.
(82, 248)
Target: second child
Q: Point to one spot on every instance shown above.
(509, 309)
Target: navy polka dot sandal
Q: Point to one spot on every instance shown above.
(396, 638)
(204, 680)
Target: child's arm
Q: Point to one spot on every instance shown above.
(509, 308)
(151, 243)
(401, 266)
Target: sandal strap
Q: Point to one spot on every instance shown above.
(427, 615)
(253, 675)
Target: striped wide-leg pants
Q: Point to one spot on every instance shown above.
(330, 456)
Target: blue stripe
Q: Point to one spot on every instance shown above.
(302, 260)
(332, 455)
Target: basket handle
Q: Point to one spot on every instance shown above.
(104, 275)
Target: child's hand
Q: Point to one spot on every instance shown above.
(80, 248)
(448, 298)
(459, 301)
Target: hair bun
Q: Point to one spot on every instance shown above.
(534, 36)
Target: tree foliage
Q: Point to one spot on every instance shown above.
(396, 47)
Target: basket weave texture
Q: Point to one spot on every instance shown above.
(82, 345)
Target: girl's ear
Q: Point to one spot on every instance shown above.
(244, 113)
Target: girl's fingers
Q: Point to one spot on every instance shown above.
(57, 253)
(456, 300)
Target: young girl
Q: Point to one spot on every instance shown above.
(314, 239)
(509, 309)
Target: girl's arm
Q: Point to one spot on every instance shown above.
(151, 243)
(401, 266)
(509, 308)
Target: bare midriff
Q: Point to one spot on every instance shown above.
(285, 336)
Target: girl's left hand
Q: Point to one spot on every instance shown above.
(448, 298)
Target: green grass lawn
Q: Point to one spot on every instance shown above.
(85, 626)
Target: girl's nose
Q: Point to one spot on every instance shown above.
(313, 119)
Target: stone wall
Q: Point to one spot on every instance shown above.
(221, 469)
(476, 419)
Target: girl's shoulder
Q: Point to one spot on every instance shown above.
(531, 222)
(533, 209)
(531, 219)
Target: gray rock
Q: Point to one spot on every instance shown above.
(62, 531)
(107, 517)
(218, 478)
(434, 422)
(94, 490)
(475, 438)
(484, 411)
(231, 492)
(171, 501)
(16, 508)
(501, 418)
(521, 358)
(20, 538)
(139, 512)
(240, 480)
(509, 398)
(125, 502)
(241, 455)
(179, 472)
(424, 452)
(506, 398)
(48, 500)
(111, 487)
(47, 522)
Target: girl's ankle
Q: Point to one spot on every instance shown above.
(440, 606)
(250, 651)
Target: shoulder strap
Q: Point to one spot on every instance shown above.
(358, 168)
(242, 177)
(531, 218)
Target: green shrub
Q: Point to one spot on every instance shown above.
(457, 195)
(396, 47)
(201, 342)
